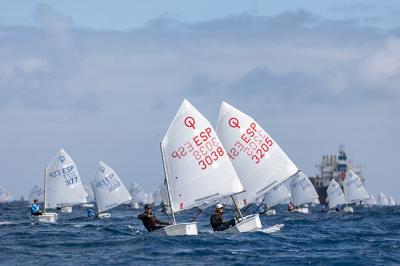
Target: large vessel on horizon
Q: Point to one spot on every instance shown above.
(333, 167)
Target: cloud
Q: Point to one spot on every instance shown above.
(112, 94)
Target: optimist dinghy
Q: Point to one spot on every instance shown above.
(303, 192)
(354, 190)
(259, 161)
(109, 191)
(62, 187)
(197, 169)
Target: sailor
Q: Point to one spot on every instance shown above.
(217, 219)
(338, 208)
(91, 213)
(35, 209)
(150, 222)
(290, 206)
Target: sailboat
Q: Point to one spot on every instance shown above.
(275, 196)
(197, 170)
(259, 161)
(391, 202)
(370, 202)
(382, 199)
(354, 190)
(62, 186)
(109, 190)
(303, 192)
(335, 195)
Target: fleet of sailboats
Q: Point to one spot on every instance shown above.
(239, 161)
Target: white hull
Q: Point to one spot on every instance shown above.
(270, 212)
(182, 229)
(250, 223)
(87, 205)
(300, 210)
(104, 215)
(348, 209)
(66, 209)
(135, 205)
(48, 217)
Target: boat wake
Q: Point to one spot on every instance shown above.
(273, 229)
(6, 223)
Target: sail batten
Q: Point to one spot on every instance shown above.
(259, 161)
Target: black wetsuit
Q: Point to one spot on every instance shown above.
(151, 223)
(217, 222)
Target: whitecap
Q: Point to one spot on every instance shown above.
(272, 229)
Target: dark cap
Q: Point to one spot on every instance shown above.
(147, 206)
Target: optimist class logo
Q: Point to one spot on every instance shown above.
(234, 122)
(61, 159)
(190, 122)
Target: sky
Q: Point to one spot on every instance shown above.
(104, 80)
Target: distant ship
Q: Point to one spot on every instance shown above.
(333, 167)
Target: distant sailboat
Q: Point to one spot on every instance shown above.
(335, 195)
(62, 186)
(354, 190)
(259, 161)
(303, 192)
(275, 196)
(109, 190)
(382, 199)
(391, 202)
(370, 202)
(197, 169)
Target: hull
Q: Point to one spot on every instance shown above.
(250, 223)
(183, 229)
(300, 210)
(104, 215)
(48, 217)
(66, 209)
(348, 209)
(87, 205)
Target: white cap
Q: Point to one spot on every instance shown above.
(219, 206)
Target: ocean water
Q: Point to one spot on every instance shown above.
(369, 236)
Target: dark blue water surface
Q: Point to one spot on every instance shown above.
(369, 236)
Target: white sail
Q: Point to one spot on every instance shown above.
(335, 194)
(63, 185)
(391, 202)
(197, 166)
(258, 160)
(109, 191)
(382, 199)
(277, 195)
(371, 201)
(302, 189)
(354, 189)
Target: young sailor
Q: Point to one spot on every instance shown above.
(35, 209)
(217, 219)
(290, 206)
(150, 222)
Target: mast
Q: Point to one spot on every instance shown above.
(166, 182)
(44, 190)
(237, 209)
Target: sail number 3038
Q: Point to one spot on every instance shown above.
(204, 148)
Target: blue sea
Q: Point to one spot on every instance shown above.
(369, 236)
